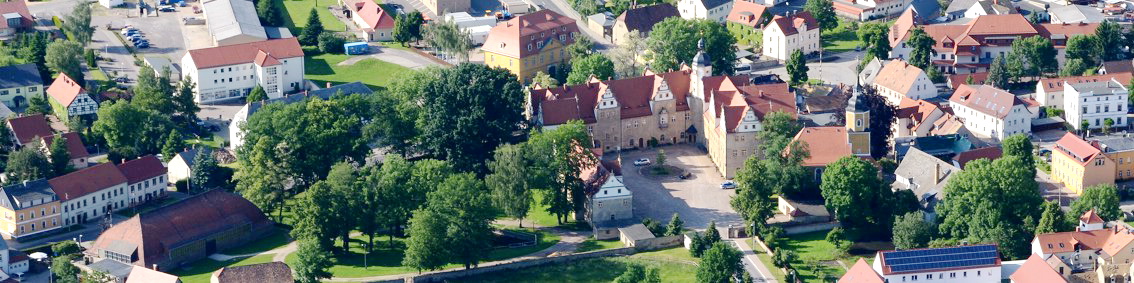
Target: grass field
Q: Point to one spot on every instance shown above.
(214, 141)
(200, 271)
(594, 245)
(841, 38)
(277, 239)
(387, 256)
(538, 214)
(599, 269)
(813, 250)
(376, 74)
(296, 13)
(767, 260)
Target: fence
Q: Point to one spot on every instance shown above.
(442, 276)
(795, 230)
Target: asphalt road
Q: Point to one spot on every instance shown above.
(832, 72)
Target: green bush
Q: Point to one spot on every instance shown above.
(331, 43)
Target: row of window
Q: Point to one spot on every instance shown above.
(43, 225)
(42, 212)
(17, 90)
(941, 275)
(1104, 108)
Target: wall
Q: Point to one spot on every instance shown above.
(659, 243)
(808, 228)
(441, 276)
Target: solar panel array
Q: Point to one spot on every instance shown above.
(907, 261)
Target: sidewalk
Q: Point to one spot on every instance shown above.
(755, 267)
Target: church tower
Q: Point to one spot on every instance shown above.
(858, 123)
(701, 69)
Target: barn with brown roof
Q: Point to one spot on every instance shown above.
(184, 232)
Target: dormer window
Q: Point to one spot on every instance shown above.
(529, 47)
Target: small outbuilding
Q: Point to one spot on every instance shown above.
(634, 234)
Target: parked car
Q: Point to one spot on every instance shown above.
(129, 32)
(122, 80)
(137, 40)
(142, 42)
(685, 175)
(143, 45)
(730, 184)
(642, 162)
(167, 8)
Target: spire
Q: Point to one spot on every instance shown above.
(701, 59)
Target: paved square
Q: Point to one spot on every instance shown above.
(698, 199)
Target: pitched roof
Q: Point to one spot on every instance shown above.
(633, 95)
(145, 275)
(861, 272)
(643, 19)
(230, 18)
(791, 25)
(710, 4)
(283, 48)
(928, 8)
(27, 128)
(511, 38)
(20, 195)
(271, 272)
(990, 153)
(86, 181)
(925, 175)
(1036, 270)
(189, 155)
(636, 232)
(75, 147)
(919, 113)
(1065, 31)
(950, 258)
(1119, 66)
(1118, 240)
(747, 13)
(1076, 148)
(1058, 84)
(373, 15)
(142, 168)
(152, 234)
(18, 7)
(986, 99)
(898, 76)
(64, 90)
(19, 75)
(1090, 217)
(902, 27)
(826, 144)
(956, 80)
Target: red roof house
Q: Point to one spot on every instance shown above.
(27, 128)
(375, 22)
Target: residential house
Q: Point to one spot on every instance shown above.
(12, 262)
(271, 272)
(233, 22)
(440, 7)
(139, 274)
(75, 148)
(16, 17)
(68, 98)
(1036, 270)
(1049, 91)
(374, 23)
(609, 203)
(975, 8)
(19, 84)
(641, 20)
(861, 272)
(181, 165)
(991, 112)
(1113, 262)
(713, 10)
(1076, 249)
(917, 119)
(90, 193)
(236, 125)
(146, 179)
(784, 35)
(971, 47)
(898, 80)
(601, 23)
(1095, 104)
(184, 232)
(926, 176)
(230, 72)
(28, 208)
(27, 129)
(530, 43)
(989, 152)
(1119, 148)
(1079, 164)
(981, 264)
(1117, 66)
(956, 80)
(864, 10)
(800, 212)
(1074, 14)
(749, 14)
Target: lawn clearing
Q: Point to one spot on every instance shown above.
(200, 271)
(813, 255)
(538, 214)
(594, 270)
(296, 13)
(594, 245)
(278, 238)
(841, 38)
(214, 141)
(376, 74)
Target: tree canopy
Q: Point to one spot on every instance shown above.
(797, 68)
(673, 42)
(66, 57)
(921, 45)
(310, 34)
(130, 130)
(975, 210)
(594, 64)
(911, 231)
(719, 264)
(824, 13)
(1102, 198)
(858, 198)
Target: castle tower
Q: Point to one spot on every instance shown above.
(858, 123)
(702, 68)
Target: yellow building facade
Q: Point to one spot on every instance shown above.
(1121, 150)
(27, 209)
(1078, 164)
(530, 43)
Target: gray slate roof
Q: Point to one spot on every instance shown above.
(926, 9)
(636, 232)
(959, 6)
(710, 4)
(925, 175)
(325, 93)
(114, 268)
(1115, 143)
(13, 195)
(20, 76)
(190, 155)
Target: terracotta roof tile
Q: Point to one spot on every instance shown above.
(898, 76)
(986, 99)
(64, 90)
(86, 181)
(374, 16)
(512, 37)
(861, 272)
(577, 102)
(283, 48)
(747, 13)
(791, 25)
(1119, 239)
(142, 169)
(826, 144)
(28, 127)
(1090, 217)
(1001, 24)
(990, 153)
(75, 145)
(145, 275)
(1057, 84)
(1076, 148)
(15, 6)
(902, 27)
(1036, 270)
(957, 80)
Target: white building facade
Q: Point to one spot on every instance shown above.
(1095, 103)
(899, 79)
(91, 193)
(230, 72)
(785, 35)
(991, 112)
(716, 10)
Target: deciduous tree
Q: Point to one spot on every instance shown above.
(1102, 198)
(77, 24)
(911, 231)
(59, 156)
(975, 212)
(257, 94)
(674, 41)
(582, 68)
(921, 45)
(1037, 54)
(1053, 219)
(64, 271)
(999, 75)
(1086, 48)
(720, 264)
(313, 261)
(66, 57)
(853, 193)
(797, 68)
(130, 130)
(511, 190)
(1110, 39)
(29, 164)
(269, 13)
(824, 13)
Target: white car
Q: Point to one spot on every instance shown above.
(730, 184)
(642, 162)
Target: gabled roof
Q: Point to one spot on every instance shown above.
(20, 195)
(27, 128)
(75, 146)
(986, 99)
(898, 76)
(190, 155)
(231, 18)
(1090, 217)
(373, 15)
(112, 267)
(1036, 270)
(990, 153)
(956, 80)
(142, 168)
(64, 90)
(791, 25)
(578, 102)
(284, 48)
(86, 181)
(1118, 241)
(643, 19)
(18, 7)
(271, 272)
(1059, 83)
(1077, 148)
(145, 275)
(264, 59)
(1065, 31)
(22, 75)
(902, 27)
(1118, 66)
(747, 13)
(710, 4)
(1001, 25)
(826, 144)
(925, 175)
(861, 272)
(943, 259)
(512, 38)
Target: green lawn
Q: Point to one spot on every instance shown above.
(813, 248)
(277, 239)
(387, 257)
(98, 75)
(594, 245)
(841, 38)
(214, 141)
(538, 214)
(376, 74)
(200, 271)
(296, 13)
(767, 260)
(595, 270)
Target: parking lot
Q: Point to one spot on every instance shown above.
(698, 199)
(161, 29)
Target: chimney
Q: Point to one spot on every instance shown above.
(328, 84)
(761, 93)
(25, 183)
(155, 266)
(936, 172)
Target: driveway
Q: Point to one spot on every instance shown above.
(831, 72)
(404, 58)
(697, 200)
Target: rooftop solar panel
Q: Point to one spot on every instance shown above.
(942, 258)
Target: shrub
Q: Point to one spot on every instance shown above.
(331, 43)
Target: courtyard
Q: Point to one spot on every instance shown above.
(698, 199)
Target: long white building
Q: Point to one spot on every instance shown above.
(231, 72)
(990, 111)
(233, 22)
(785, 35)
(1095, 103)
(970, 264)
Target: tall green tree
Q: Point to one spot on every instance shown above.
(345, 182)
(594, 64)
(66, 57)
(1074, 67)
(28, 164)
(184, 103)
(426, 248)
(911, 231)
(626, 56)
(37, 105)
(558, 151)
(674, 41)
(77, 24)
(310, 34)
(257, 94)
(509, 183)
(64, 270)
(882, 115)
(130, 130)
(1053, 219)
(921, 45)
(313, 261)
(797, 68)
(463, 213)
(173, 145)
(407, 27)
(59, 156)
(999, 75)
(676, 226)
(269, 13)
(1038, 55)
(1086, 48)
(449, 39)
(852, 191)
(876, 36)
(1019, 145)
(719, 264)
(1110, 39)
(975, 212)
(1102, 198)
(153, 92)
(582, 46)
(824, 12)
(205, 171)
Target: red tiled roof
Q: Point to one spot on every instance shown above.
(986, 99)
(747, 13)
(1119, 239)
(145, 275)
(1036, 270)
(86, 181)
(1014, 24)
(917, 111)
(374, 16)
(902, 27)
(791, 25)
(1090, 217)
(761, 99)
(1076, 148)
(28, 127)
(142, 169)
(957, 80)
(283, 48)
(1057, 84)
(898, 76)
(512, 37)
(264, 59)
(990, 153)
(826, 144)
(75, 145)
(565, 103)
(64, 90)
(15, 6)
(1065, 31)
(861, 272)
